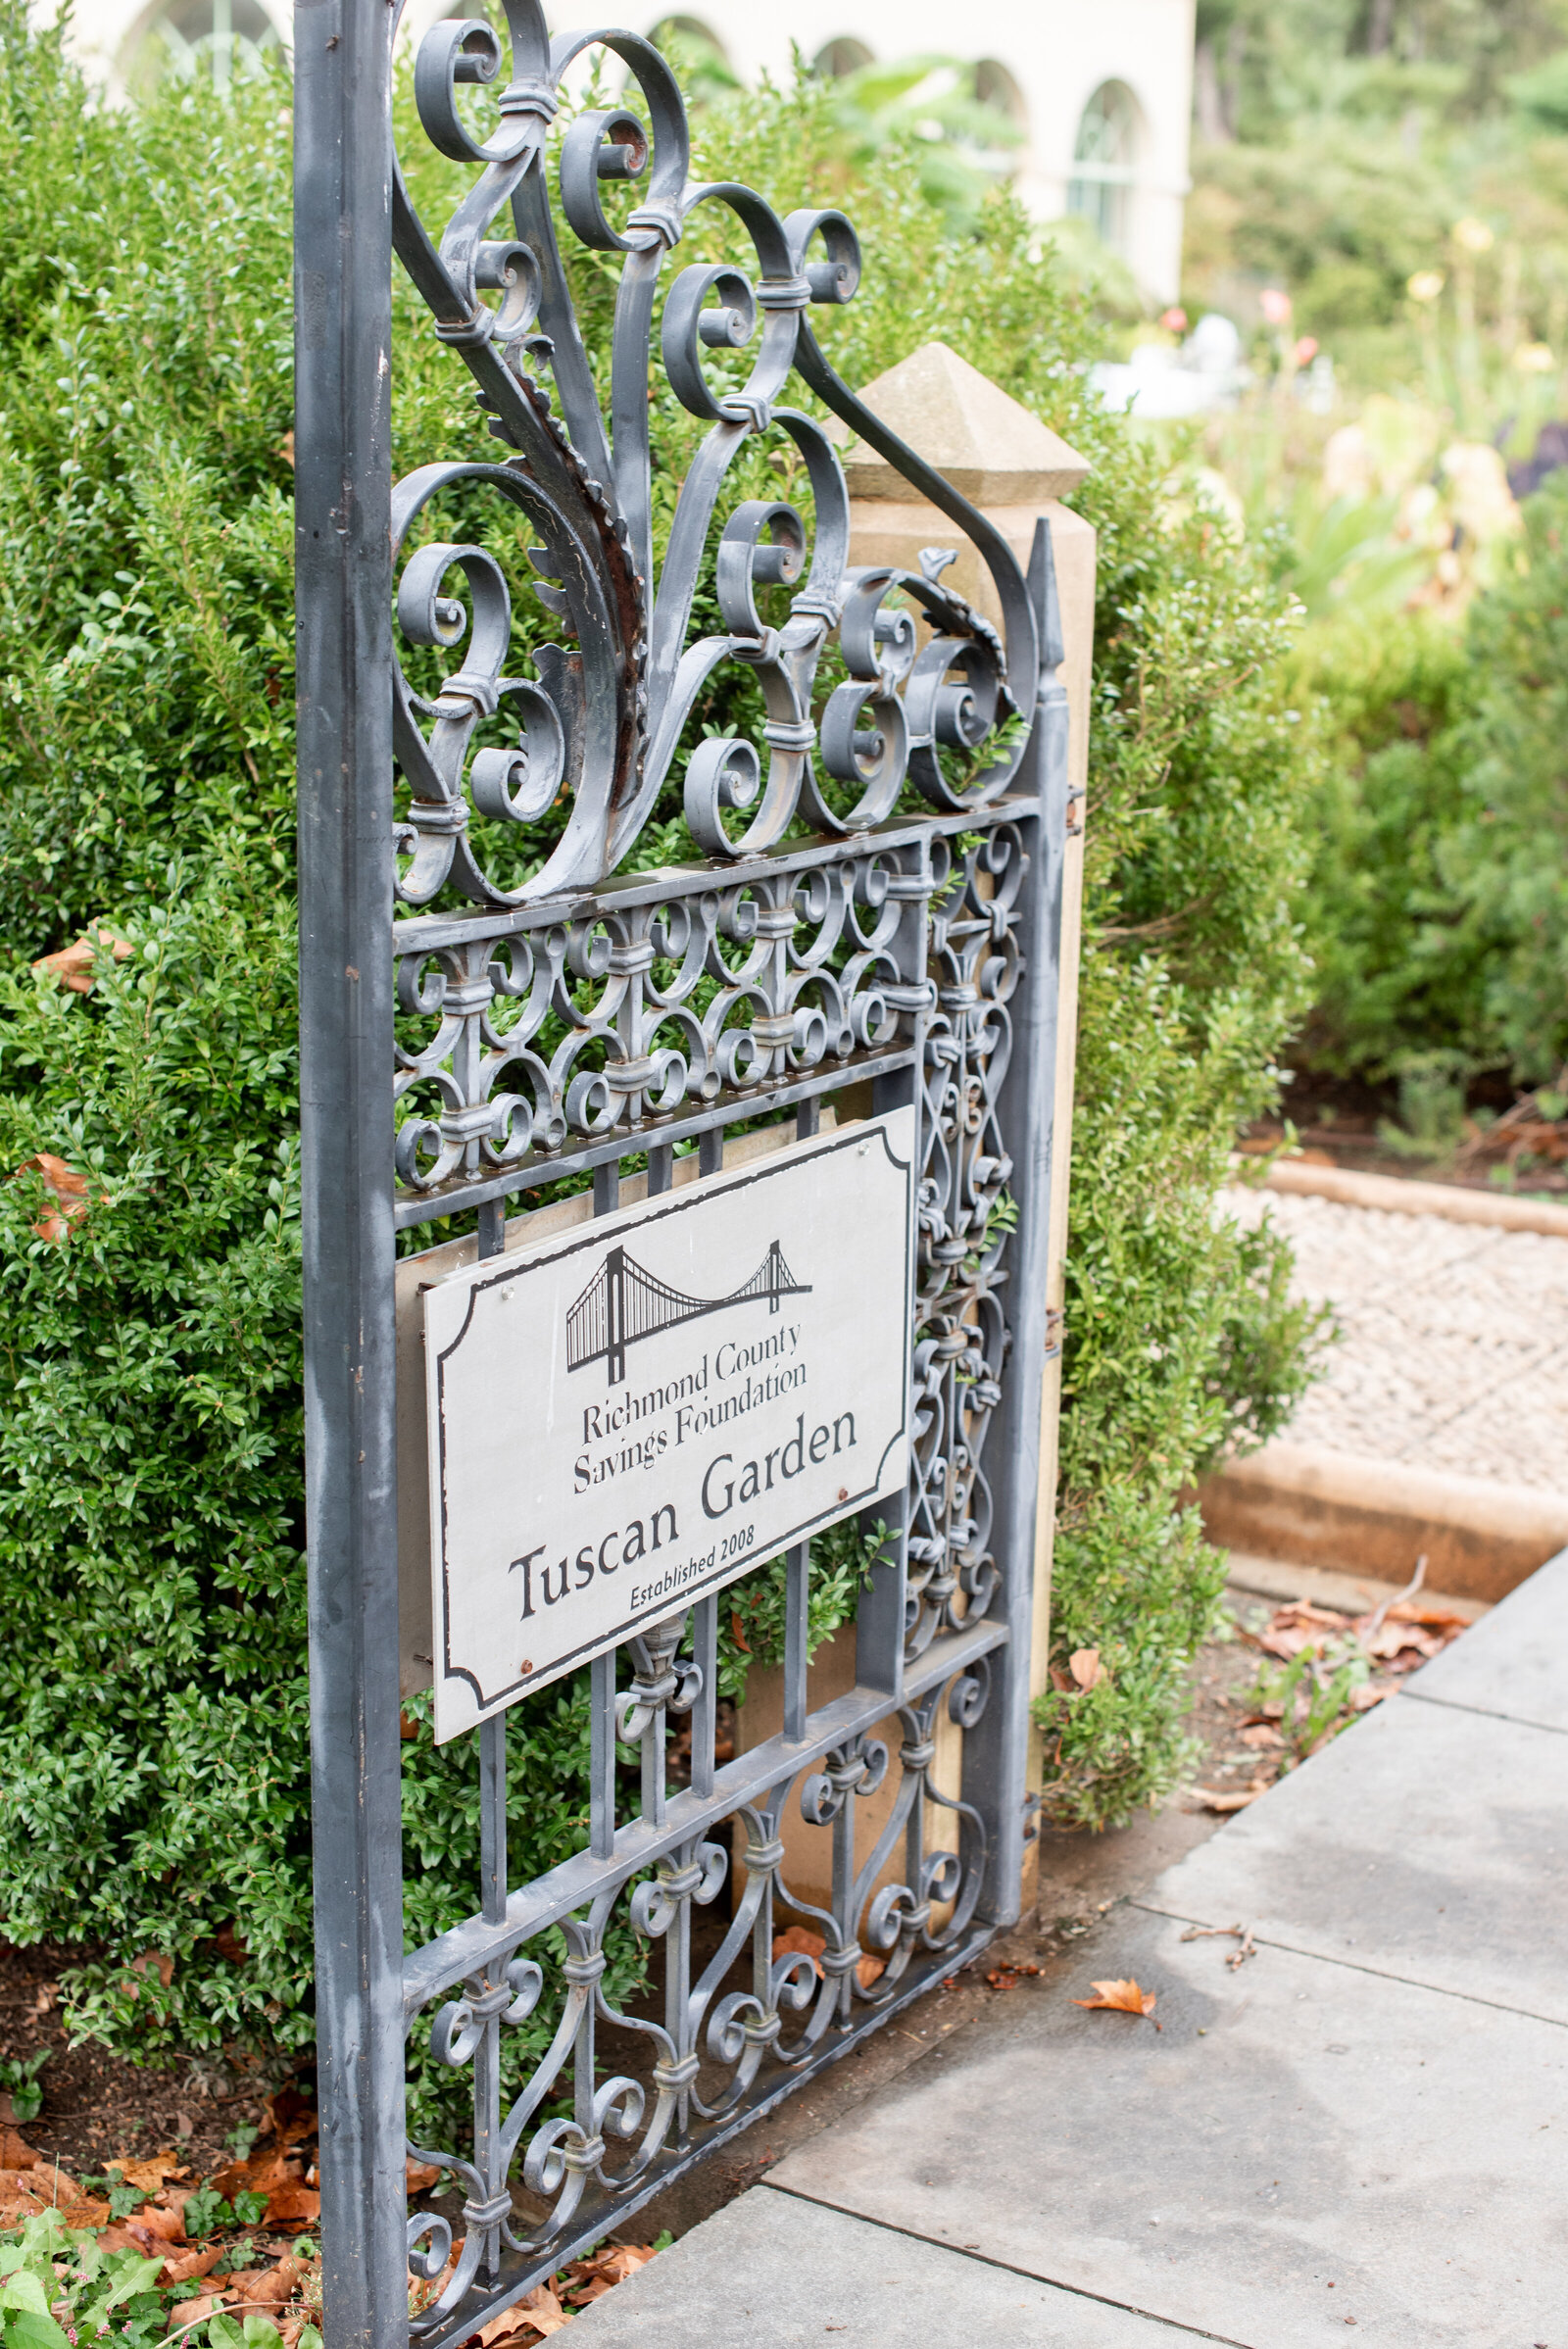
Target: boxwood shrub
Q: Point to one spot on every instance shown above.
(153, 1784)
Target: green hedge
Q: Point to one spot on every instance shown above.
(152, 1690)
(1438, 900)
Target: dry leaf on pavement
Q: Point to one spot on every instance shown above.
(1121, 1997)
(1229, 1798)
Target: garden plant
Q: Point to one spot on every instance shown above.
(153, 1779)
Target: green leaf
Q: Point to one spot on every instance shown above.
(24, 2291)
(29, 2331)
(136, 2275)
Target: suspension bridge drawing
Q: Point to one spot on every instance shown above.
(623, 1304)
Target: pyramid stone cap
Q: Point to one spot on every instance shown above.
(991, 449)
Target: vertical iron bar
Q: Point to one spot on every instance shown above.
(879, 1616)
(656, 1777)
(606, 1187)
(343, 586)
(492, 1227)
(661, 1169)
(807, 1118)
(704, 1712)
(601, 1757)
(995, 1751)
(493, 1818)
(710, 1152)
(795, 1592)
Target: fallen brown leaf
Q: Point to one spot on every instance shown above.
(14, 2151)
(620, 2260)
(1120, 1997)
(539, 2310)
(1086, 1667)
(291, 2205)
(1261, 1733)
(191, 2312)
(1229, 1798)
(150, 1961)
(800, 1941)
(191, 2264)
(73, 965)
(169, 2223)
(64, 1186)
(417, 2176)
(290, 2117)
(151, 2175)
(83, 2211)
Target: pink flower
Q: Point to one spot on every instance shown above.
(1275, 305)
(1306, 350)
(1174, 320)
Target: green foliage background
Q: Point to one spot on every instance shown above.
(152, 1685)
(1438, 904)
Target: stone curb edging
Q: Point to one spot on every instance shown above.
(1396, 1196)
(1316, 1507)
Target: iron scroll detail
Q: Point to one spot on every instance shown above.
(876, 901)
(600, 720)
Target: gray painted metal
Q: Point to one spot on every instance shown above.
(343, 573)
(878, 903)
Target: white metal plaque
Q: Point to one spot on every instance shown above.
(645, 1408)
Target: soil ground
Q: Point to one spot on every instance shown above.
(1505, 1144)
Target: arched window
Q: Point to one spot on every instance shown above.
(207, 40)
(996, 87)
(690, 30)
(1106, 162)
(836, 58)
(699, 56)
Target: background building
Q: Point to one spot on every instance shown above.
(1099, 97)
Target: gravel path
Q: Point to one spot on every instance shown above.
(1453, 1350)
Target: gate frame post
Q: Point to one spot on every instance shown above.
(343, 575)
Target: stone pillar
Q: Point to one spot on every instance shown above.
(1014, 469)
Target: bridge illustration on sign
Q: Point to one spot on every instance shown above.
(623, 1302)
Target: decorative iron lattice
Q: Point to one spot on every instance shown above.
(876, 905)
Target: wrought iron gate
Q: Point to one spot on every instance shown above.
(877, 905)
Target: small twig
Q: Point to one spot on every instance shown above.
(1215, 1932)
(220, 2312)
(1239, 1957)
(1398, 1600)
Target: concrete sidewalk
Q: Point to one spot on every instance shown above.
(1365, 2125)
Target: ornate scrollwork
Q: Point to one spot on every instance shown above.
(706, 2056)
(557, 1010)
(962, 1336)
(600, 721)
